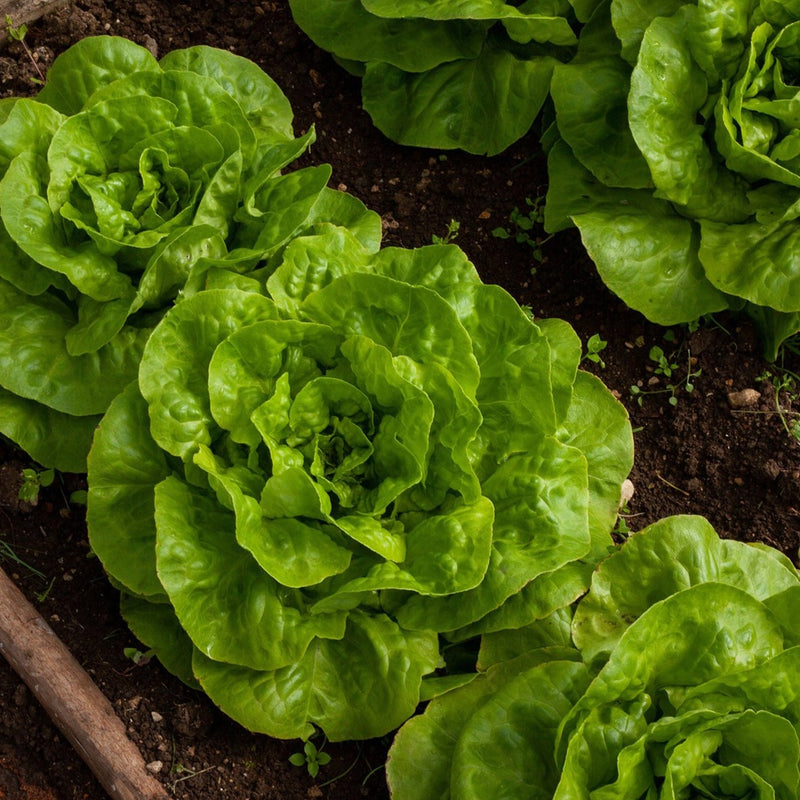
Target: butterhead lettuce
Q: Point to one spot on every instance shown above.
(125, 183)
(314, 481)
(675, 677)
(467, 74)
(677, 157)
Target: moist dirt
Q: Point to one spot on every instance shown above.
(723, 450)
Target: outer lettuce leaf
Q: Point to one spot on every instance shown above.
(35, 363)
(651, 262)
(353, 32)
(385, 662)
(529, 710)
(673, 555)
(48, 436)
(432, 738)
(158, 628)
(264, 104)
(126, 466)
(88, 65)
(232, 610)
(523, 24)
(434, 73)
(481, 105)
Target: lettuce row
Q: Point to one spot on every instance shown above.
(126, 184)
(676, 157)
(675, 677)
(433, 73)
(308, 488)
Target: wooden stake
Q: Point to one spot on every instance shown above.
(23, 12)
(74, 703)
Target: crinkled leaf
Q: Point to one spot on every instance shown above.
(754, 260)
(651, 262)
(90, 64)
(229, 606)
(173, 375)
(521, 717)
(264, 104)
(125, 465)
(665, 558)
(34, 361)
(385, 662)
(481, 105)
(541, 523)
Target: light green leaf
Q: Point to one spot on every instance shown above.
(541, 523)
(198, 101)
(89, 64)
(283, 204)
(30, 125)
(173, 375)
(347, 211)
(521, 717)
(407, 320)
(311, 262)
(125, 465)
(651, 262)
(34, 361)
(32, 225)
(668, 91)
(229, 606)
(597, 424)
(438, 266)
(754, 260)
(631, 20)
(51, 438)
(386, 663)
(481, 105)
(523, 24)
(431, 738)
(665, 558)
(245, 368)
(706, 631)
(349, 30)
(591, 101)
(262, 101)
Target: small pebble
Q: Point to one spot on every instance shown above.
(155, 767)
(743, 399)
(155, 716)
(626, 492)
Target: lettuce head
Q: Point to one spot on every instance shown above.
(675, 676)
(677, 157)
(125, 184)
(314, 481)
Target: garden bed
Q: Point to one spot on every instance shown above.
(712, 451)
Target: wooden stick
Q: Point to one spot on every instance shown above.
(73, 701)
(23, 12)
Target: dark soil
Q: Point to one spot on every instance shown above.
(737, 466)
